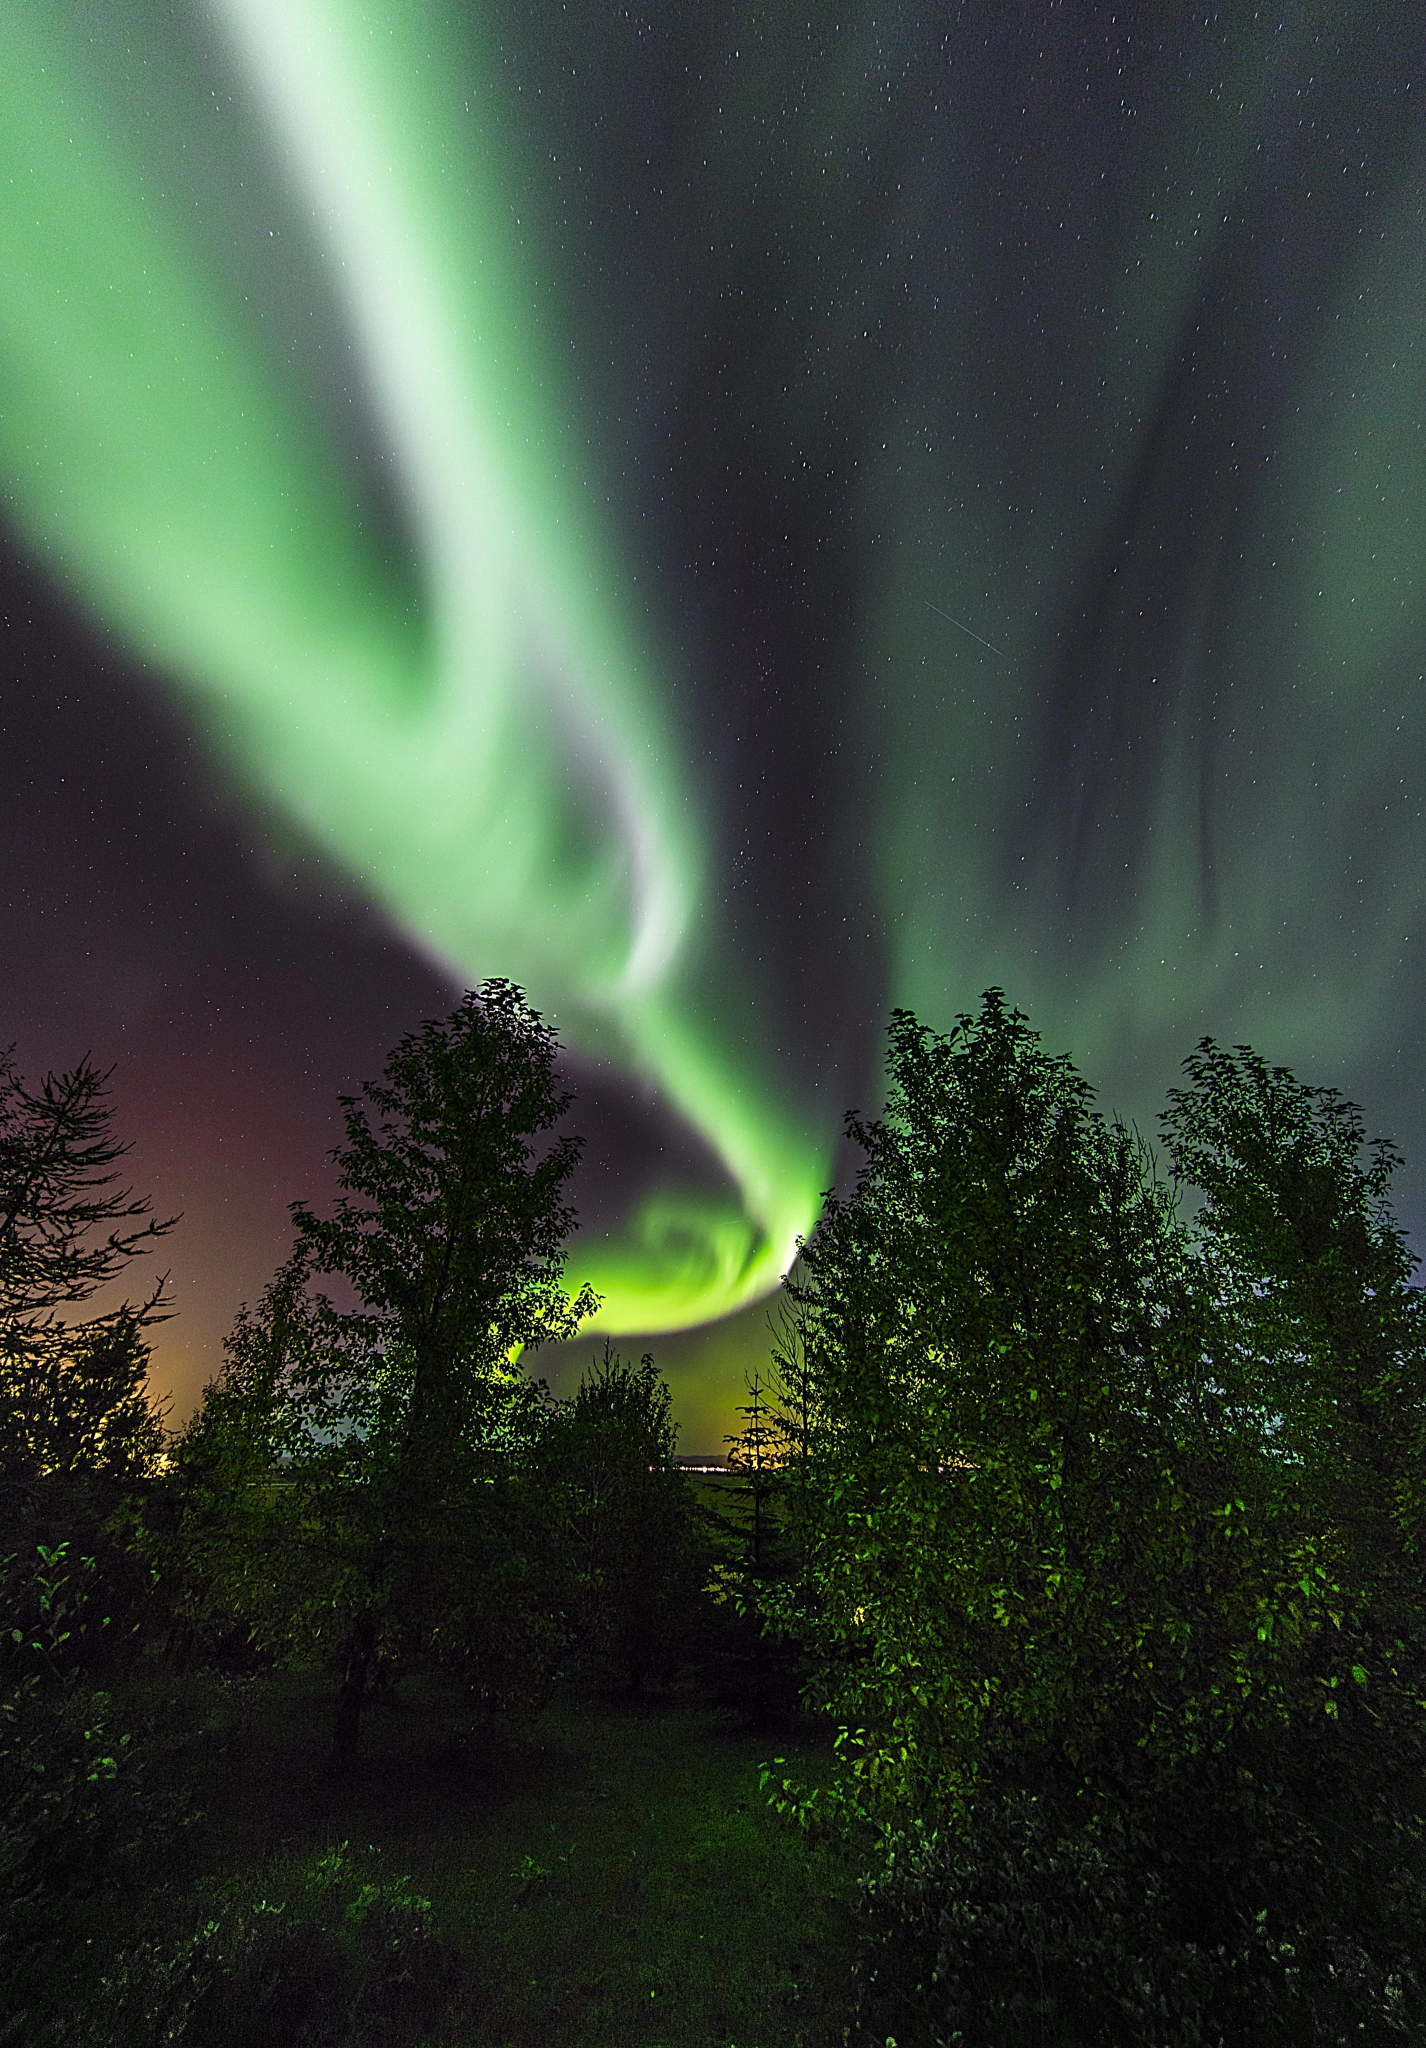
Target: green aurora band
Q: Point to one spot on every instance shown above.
(491, 762)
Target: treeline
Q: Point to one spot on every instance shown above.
(1083, 1500)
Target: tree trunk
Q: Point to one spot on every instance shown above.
(346, 1728)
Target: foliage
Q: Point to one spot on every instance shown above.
(366, 1483)
(343, 1957)
(634, 1552)
(72, 1393)
(76, 1400)
(268, 1469)
(757, 1456)
(1317, 1344)
(1113, 1522)
(980, 1416)
(1022, 1929)
(80, 1445)
(748, 1662)
(72, 1804)
(452, 1221)
(305, 1528)
(57, 1150)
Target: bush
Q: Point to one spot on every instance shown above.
(1232, 1920)
(1018, 1933)
(72, 1803)
(342, 1958)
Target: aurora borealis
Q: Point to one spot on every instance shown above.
(474, 742)
(734, 523)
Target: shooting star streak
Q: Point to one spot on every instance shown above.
(960, 628)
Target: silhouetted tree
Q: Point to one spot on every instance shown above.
(1316, 1336)
(633, 1542)
(377, 1464)
(452, 1220)
(749, 1663)
(78, 1432)
(73, 1397)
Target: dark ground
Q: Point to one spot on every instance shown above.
(609, 1875)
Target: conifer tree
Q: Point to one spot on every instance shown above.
(753, 1665)
(73, 1391)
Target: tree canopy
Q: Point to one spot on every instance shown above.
(452, 1218)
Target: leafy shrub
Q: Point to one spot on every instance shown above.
(1025, 1928)
(343, 1958)
(72, 1803)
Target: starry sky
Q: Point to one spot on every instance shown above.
(736, 518)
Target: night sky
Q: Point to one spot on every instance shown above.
(735, 518)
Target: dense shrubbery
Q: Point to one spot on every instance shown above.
(1112, 1529)
(335, 1956)
(73, 1805)
(1021, 1925)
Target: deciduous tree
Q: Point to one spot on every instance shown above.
(1113, 1532)
(364, 1480)
(452, 1218)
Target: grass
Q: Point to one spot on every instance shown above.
(610, 1876)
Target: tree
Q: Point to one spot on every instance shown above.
(1112, 1538)
(1317, 1332)
(1314, 1345)
(452, 1219)
(757, 1453)
(277, 1531)
(749, 1664)
(982, 1403)
(633, 1545)
(77, 1432)
(72, 1392)
(366, 1481)
(77, 1403)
